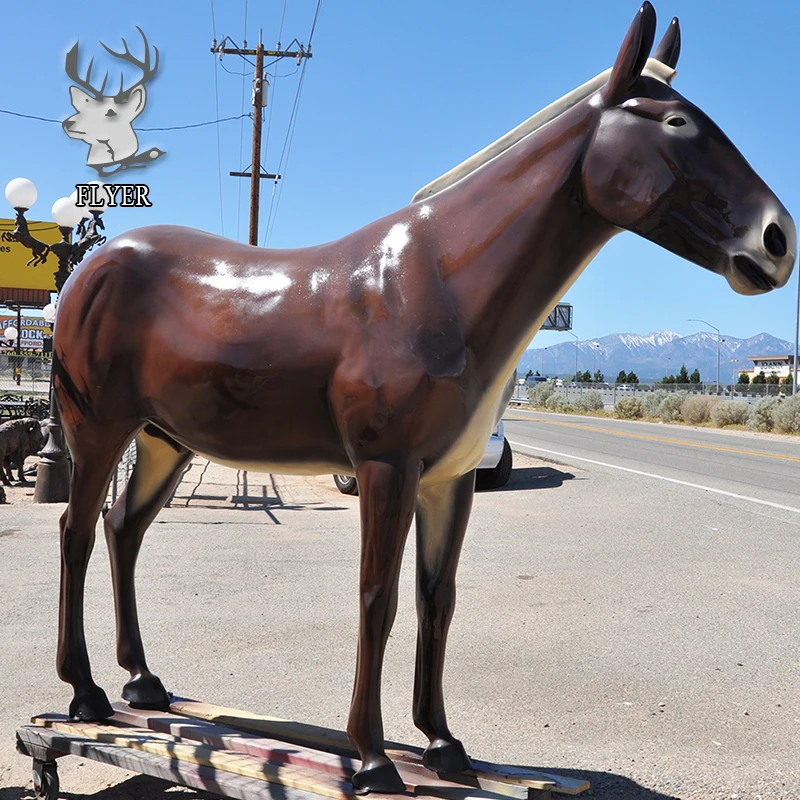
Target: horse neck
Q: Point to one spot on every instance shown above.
(519, 234)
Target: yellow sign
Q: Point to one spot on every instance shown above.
(34, 329)
(14, 272)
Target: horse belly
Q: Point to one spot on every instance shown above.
(252, 421)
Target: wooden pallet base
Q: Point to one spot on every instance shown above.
(243, 755)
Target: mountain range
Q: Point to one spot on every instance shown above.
(654, 355)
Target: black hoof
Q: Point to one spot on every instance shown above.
(90, 705)
(146, 691)
(446, 756)
(378, 775)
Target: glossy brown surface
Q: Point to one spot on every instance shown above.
(383, 354)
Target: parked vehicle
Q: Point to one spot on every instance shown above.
(494, 470)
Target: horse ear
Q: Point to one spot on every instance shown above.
(632, 55)
(669, 49)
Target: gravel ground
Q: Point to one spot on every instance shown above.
(640, 635)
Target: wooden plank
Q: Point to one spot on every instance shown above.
(202, 755)
(337, 742)
(224, 738)
(186, 774)
(418, 781)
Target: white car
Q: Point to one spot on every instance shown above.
(493, 471)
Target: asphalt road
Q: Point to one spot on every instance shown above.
(756, 468)
(641, 632)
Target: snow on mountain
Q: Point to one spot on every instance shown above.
(654, 355)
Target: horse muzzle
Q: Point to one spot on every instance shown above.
(767, 258)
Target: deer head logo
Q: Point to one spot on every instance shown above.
(105, 122)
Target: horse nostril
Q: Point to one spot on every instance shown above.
(67, 123)
(775, 241)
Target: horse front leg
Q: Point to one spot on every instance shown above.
(387, 495)
(159, 463)
(93, 460)
(442, 516)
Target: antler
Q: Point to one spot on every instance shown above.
(71, 68)
(144, 66)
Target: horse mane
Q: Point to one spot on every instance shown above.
(653, 68)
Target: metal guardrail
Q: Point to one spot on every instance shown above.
(611, 392)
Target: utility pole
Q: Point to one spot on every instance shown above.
(259, 103)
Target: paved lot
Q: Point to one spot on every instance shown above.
(644, 634)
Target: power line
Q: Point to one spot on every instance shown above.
(165, 128)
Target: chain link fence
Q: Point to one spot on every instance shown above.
(25, 373)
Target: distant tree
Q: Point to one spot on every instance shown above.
(788, 380)
(537, 374)
(760, 378)
(622, 377)
(744, 379)
(584, 377)
(528, 374)
(668, 379)
(598, 376)
(695, 376)
(631, 377)
(683, 375)
(773, 379)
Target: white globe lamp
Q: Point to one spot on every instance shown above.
(21, 193)
(65, 213)
(11, 333)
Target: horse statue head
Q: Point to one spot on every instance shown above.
(658, 166)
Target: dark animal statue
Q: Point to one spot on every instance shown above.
(382, 355)
(19, 439)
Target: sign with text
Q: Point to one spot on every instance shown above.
(34, 329)
(14, 270)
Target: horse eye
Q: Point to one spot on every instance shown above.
(111, 113)
(676, 122)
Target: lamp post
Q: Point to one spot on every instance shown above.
(543, 352)
(576, 354)
(53, 474)
(734, 362)
(719, 342)
(13, 338)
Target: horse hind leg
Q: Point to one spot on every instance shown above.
(159, 463)
(442, 516)
(95, 453)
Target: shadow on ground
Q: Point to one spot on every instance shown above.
(605, 786)
(536, 478)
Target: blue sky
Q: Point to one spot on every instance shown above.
(395, 95)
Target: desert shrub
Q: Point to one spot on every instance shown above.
(735, 412)
(652, 402)
(670, 407)
(787, 415)
(629, 408)
(589, 401)
(762, 417)
(541, 391)
(555, 402)
(697, 410)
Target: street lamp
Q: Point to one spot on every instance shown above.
(53, 474)
(734, 377)
(543, 352)
(719, 342)
(576, 354)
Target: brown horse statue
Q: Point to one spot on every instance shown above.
(383, 354)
